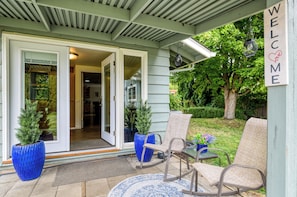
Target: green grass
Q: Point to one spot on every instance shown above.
(227, 132)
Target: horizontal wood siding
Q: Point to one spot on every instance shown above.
(158, 88)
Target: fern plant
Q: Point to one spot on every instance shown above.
(29, 131)
(143, 118)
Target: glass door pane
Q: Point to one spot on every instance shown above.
(41, 86)
(108, 107)
(107, 98)
(132, 87)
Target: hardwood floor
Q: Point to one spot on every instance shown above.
(87, 138)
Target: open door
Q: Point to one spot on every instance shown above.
(108, 100)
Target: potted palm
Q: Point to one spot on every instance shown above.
(143, 124)
(29, 155)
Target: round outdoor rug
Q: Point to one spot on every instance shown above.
(150, 185)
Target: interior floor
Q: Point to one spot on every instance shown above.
(87, 138)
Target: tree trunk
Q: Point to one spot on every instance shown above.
(230, 97)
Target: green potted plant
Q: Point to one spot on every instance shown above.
(29, 155)
(203, 140)
(143, 124)
(130, 120)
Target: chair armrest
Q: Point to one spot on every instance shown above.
(216, 149)
(174, 139)
(225, 170)
(152, 133)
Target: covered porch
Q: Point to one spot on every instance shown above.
(158, 28)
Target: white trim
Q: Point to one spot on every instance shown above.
(199, 48)
(5, 100)
(144, 88)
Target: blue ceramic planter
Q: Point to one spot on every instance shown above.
(199, 146)
(28, 160)
(138, 145)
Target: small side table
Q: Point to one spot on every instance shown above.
(192, 152)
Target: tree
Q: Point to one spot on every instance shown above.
(229, 73)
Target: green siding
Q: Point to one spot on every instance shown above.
(1, 126)
(158, 88)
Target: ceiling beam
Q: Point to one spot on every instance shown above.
(136, 10)
(168, 25)
(42, 15)
(15, 23)
(119, 14)
(233, 15)
(86, 7)
(172, 40)
(7, 24)
(236, 14)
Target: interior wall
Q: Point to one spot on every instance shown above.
(79, 69)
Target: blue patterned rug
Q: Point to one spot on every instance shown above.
(150, 185)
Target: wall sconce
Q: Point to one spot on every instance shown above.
(73, 56)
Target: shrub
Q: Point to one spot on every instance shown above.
(205, 112)
(29, 131)
(212, 112)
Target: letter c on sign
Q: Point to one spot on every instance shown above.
(272, 44)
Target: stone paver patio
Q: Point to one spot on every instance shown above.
(12, 186)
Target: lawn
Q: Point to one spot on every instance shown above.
(227, 133)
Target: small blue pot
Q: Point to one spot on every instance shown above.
(138, 145)
(199, 146)
(28, 160)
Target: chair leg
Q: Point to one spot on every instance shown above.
(142, 156)
(166, 167)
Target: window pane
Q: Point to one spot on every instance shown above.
(132, 87)
(41, 86)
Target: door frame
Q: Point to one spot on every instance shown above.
(120, 80)
(16, 95)
(111, 135)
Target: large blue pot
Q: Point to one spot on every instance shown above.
(138, 145)
(28, 160)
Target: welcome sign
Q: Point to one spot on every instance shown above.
(275, 37)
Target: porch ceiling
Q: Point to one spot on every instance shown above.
(152, 23)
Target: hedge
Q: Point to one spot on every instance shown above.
(211, 112)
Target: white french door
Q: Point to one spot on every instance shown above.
(108, 100)
(40, 72)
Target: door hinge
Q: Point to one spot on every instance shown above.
(113, 133)
(114, 63)
(114, 98)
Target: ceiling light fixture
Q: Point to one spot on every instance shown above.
(73, 56)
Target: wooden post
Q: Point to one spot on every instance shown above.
(282, 114)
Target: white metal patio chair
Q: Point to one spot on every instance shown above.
(174, 142)
(248, 171)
